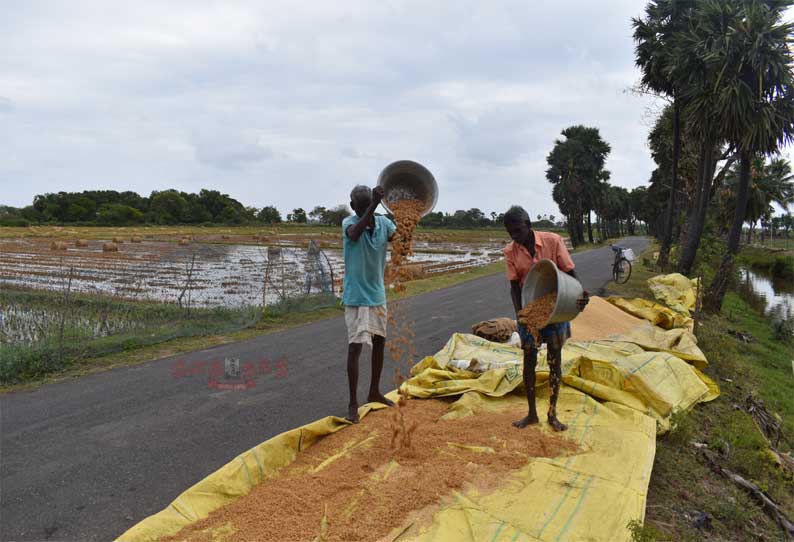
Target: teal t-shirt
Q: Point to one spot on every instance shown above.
(365, 262)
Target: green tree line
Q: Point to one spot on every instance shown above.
(109, 207)
(594, 209)
(168, 207)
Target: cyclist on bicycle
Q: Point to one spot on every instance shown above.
(527, 248)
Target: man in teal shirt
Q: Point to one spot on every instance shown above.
(366, 237)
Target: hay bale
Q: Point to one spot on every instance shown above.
(135, 239)
(57, 245)
(118, 240)
(81, 243)
(110, 247)
(183, 242)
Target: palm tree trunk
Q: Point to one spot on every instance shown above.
(589, 227)
(716, 293)
(667, 238)
(572, 231)
(580, 228)
(697, 215)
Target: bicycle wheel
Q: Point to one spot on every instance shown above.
(622, 271)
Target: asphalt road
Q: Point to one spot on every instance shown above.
(85, 459)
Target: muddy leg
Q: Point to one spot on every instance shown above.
(555, 379)
(530, 363)
(353, 352)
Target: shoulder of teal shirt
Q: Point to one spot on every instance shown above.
(391, 227)
(346, 222)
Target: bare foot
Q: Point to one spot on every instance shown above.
(379, 398)
(352, 413)
(556, 424)
(525, 421)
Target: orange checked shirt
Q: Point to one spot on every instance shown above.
(547, 245)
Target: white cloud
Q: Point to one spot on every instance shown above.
(292, 103)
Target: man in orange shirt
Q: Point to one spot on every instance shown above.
(528, 248)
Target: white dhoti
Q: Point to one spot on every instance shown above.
(364, 322)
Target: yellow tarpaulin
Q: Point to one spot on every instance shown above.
(675, 290)
(619, 393)
(656, 314)
(678, 341)
(654, 382)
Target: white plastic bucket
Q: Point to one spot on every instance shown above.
(545, 278)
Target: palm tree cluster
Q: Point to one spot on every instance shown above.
(726, 68)
(581, 188)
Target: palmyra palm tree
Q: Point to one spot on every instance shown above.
(654, 36)
(747, 51)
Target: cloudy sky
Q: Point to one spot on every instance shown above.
(292, 103)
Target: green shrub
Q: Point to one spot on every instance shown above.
(643, 533)
(14, 222)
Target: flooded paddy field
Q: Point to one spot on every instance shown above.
(71, 294)
(212, 270)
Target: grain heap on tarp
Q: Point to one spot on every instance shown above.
(358, 484)
(599, 316)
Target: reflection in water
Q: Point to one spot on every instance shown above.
(771, 295)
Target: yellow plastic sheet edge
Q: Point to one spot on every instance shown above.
(236, 478)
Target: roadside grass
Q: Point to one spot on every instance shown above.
(683, 487)
(785, 243)
(45, 331)
(271, 323)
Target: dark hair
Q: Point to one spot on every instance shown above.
(516, 213)
(359, 193)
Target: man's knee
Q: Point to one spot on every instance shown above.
(378, 340)
(354, 348)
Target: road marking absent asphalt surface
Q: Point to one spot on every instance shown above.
(85, 459)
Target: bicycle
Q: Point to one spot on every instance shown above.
(621, 267)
